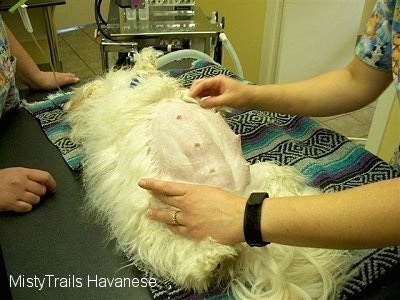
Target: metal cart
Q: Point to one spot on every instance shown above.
(168, 27)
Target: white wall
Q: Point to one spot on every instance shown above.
(314, 36)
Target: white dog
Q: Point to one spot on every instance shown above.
(138, 123)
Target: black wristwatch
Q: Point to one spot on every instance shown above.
(252, 220)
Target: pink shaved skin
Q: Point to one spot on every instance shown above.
(196, 145)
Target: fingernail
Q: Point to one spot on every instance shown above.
(204, 98)
(142, 183)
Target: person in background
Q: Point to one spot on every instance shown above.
(363, 217)
(21, 188)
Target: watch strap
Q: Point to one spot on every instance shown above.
(252, 220)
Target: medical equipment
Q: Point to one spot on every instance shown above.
(166, 25)
(160, 9)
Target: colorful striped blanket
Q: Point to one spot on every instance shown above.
(330, 160)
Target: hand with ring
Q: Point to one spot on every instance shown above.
(174, 220)
(198, 211)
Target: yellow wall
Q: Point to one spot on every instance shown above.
(244, 28)
(73, 13)
(78, 12)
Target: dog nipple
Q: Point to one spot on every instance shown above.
(197, 145)
(212, 171)
(179, 117)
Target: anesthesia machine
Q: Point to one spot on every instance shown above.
(176, 27)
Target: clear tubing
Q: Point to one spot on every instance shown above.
(27, 24)
(51, 65)
(232, 53)
(182, 54)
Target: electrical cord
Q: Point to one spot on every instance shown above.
(51, 65)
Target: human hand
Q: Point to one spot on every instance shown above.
(21, 188)
(46, 81)
(221, 91)
(198, 211)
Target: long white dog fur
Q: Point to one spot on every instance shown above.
(152, 129)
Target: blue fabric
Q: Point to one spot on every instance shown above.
(328, 159)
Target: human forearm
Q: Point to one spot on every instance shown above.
(332, 93)
(364, 217)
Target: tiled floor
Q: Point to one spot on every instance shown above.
(354, 125)
(80, 53)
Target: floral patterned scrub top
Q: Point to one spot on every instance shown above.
(379, 46)
(9, 96)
